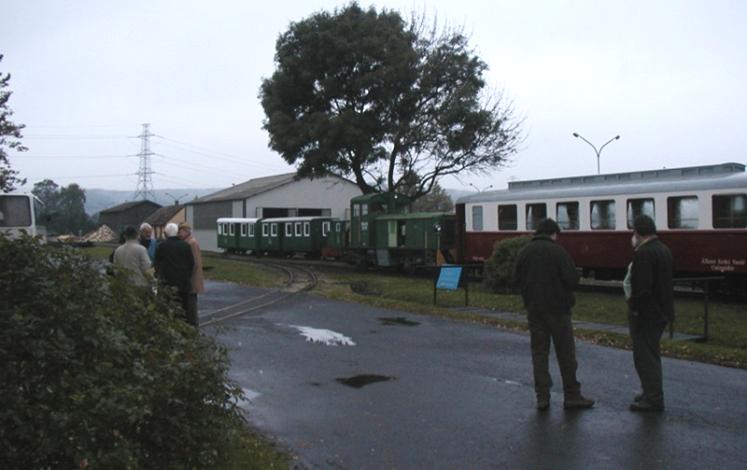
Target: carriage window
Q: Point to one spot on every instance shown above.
(535, 213)
(507, 217)
(220, 229)
(567, 215)
(273, 230)
(306, 229)
(265, 230)
(251, 230)
(231, 229)
(602, 215)
(243, 230)
(298, 229)
(682, 212)
(638, 207)
(325, 228)
(730, 211)
(364, 210)
(476, 218)
(337, 227)
(289, 229)
(356, 210)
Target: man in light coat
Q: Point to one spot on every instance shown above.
(133, 257)
(198, 279)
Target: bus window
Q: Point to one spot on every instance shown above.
(567, 215)
(507, 219)
(535, 213)
(638, 207)
(603, 215)
(15, 211)
(682, 212)
(730, 211)
(477, 218)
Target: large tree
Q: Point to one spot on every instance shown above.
(10, 135)
(63, 207)
(364, 94)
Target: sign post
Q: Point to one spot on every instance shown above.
(450, 278)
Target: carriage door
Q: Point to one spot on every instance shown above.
(392, 233)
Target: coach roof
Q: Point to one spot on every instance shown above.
(723, 176)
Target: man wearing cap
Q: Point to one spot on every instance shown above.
(174, 264)
(197, 280)
(651, 307)
(546, 275)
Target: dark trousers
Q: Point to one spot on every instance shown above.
(646, 336)
(543, 328)
(189, 304)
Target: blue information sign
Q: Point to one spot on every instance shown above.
(448, 278)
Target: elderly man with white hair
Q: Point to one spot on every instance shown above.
(174, 264)
(147, 240)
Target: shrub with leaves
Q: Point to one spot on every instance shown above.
(97, 373)
(498, 270)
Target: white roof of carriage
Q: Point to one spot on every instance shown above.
(722, 176)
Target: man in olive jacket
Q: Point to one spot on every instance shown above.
(546, 276)
(174, 264)
(651, 307)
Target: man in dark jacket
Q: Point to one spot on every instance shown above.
(546, 276)
(651, 307)
(174, 264)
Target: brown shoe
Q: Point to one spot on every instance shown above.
(578, 403)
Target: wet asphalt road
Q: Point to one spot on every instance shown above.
(461, 396)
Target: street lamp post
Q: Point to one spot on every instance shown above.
(598, 152)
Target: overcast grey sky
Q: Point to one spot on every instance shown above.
(668, 76)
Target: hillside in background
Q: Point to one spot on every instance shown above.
(100, 199)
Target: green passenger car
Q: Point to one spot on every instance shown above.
(291, 235)
(407, 240)
(335, 234)
(237, 235)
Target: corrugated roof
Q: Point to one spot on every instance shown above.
(247, 189)
(128, 205)
(163, 215)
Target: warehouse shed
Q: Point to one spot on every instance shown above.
(282, 195)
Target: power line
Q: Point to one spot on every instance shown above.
(94, 157)
(214, 154)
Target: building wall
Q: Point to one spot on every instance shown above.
(328, 194)
(134, 216)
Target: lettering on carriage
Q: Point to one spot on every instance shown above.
(723, 265)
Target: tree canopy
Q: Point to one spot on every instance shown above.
(365, 94)
(10, 135)
(63, 208)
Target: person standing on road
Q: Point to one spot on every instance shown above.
(147, 240)
(174, 264)
(133, 257)
(546, 275)
(198, 279)
(651, 307)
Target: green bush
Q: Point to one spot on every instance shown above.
(99, 374)
(498, 270)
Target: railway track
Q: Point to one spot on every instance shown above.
(298, 279)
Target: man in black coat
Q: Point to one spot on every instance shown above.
(651, 307)
(546, 276)
(174, 264)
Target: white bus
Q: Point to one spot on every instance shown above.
(18, 214)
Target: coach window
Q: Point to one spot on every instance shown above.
(507, 217)
(477, 218)
(306, 229)
(298, 229)
(638, 207)
(337, 227)
(243, 230)
(325, 228)
(535, 213)
(364, 210)
(251, 230)
(356, 210)
(265, 230)
(231, 230)
(288, 229)
(682, 212)
(730, 211)
(273, 230)
(567, 215)
(603, 215)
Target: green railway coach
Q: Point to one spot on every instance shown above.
(289, 235)
(423, 238)
(238, 234)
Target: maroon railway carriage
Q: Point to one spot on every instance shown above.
(700, 213)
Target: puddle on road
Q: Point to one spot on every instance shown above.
(359, 381)
(393, 321)
(326, 337)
